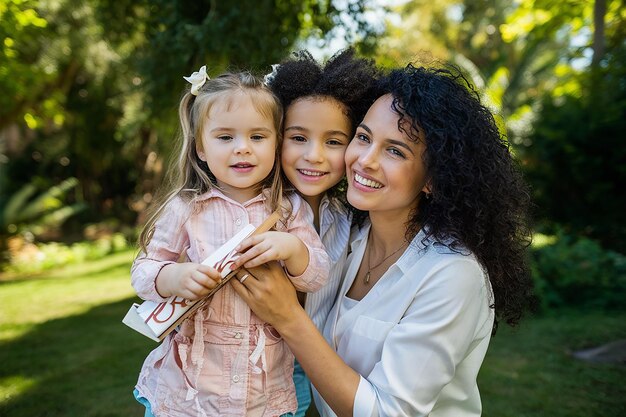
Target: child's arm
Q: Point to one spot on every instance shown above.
(188, 280)
(274, 246)
(301, 249)
(168, 242)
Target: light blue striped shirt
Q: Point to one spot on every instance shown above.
(335, 220)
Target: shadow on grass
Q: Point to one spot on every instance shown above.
(84, 365)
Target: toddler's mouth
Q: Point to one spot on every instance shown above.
(242, 165)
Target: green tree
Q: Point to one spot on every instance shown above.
(512, 51)
(554, 72)
(90, 88)
(575, 156)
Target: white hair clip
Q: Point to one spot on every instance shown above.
(197, 80)
(270, 77)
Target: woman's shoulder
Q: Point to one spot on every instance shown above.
(443, 258)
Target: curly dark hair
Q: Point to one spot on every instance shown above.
(478, 201)
(348, 79)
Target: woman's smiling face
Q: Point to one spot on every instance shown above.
(385, 168)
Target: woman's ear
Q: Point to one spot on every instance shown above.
(427, 190)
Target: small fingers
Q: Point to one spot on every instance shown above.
(249, 242)
(204, 281)
(210, 272)
(250, 254)
(194, 291)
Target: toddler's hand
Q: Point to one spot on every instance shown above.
(269, 246)
(188, 280)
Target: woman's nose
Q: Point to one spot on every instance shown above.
(369, 158)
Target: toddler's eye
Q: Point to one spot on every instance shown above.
(298, 138)
(224, 137)
(257, 137)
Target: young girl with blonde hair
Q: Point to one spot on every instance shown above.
(223, 360)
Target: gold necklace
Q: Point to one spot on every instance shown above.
(369, 254)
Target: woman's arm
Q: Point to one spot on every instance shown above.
(447, 326)
(336, 382)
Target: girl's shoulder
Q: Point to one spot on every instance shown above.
(180, 205)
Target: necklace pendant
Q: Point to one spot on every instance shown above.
(367, 277)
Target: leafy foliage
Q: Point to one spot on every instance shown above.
(578, 272)
(91, 87)
(575, 156)
(36, 212)
(177, 37)
(512, 51)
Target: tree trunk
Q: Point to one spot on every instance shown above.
(599, 11)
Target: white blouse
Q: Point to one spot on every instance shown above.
(335, 220)
(419, 337)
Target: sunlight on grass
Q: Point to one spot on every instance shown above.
(14, 385)
(13, 330)
(61, 333)
(70, 291)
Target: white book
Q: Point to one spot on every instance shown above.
(157, 320)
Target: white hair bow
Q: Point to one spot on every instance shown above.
(270, 77)
(197, 80)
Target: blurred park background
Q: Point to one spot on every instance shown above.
(88, 113)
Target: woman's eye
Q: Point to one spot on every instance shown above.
(298, 138)
(396, 152)
(362, 137)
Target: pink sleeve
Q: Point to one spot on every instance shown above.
(315, 276)
(168, 242)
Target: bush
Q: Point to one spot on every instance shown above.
(33, 258)
(577, 272)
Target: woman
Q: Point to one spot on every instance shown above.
(438, 263)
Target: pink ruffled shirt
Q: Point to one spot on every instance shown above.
(223, 360)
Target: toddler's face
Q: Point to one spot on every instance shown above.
(239, 146)
(316, 134)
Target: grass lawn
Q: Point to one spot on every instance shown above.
(64, 352)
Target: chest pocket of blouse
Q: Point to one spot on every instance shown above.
(365, 343)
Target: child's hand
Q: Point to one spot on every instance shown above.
(273, 246)
(188, 280)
